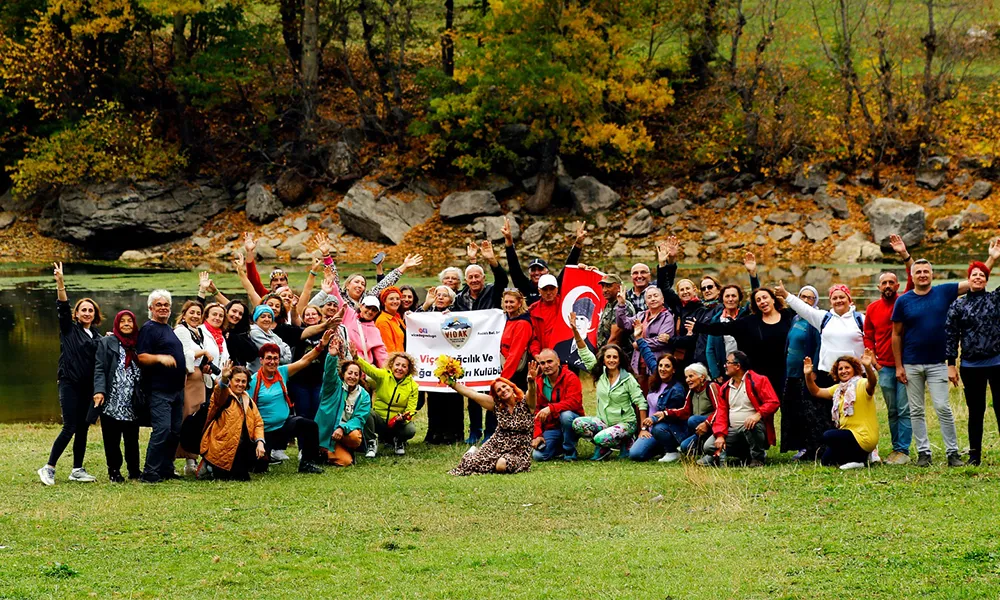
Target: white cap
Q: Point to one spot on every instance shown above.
(371, 301)
(547, 280)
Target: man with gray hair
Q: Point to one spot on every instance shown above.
(161, 357)
(477, 294)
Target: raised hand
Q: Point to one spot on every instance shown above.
(338, 317)
(471, 251)
(327, 336)
(581, 233)
(995, 248)
(239, 264)
(750, 262)
(226, 369)
(322, 242)
(57, 273)
(486, 247)
(204, 281)
(250, 245)
(411, 260)
(807, 366)
(661, 252)
(335, 345)
(780, 291)
(317, 266)
(532, 369)
(508, 237)
(868, 358)
(622, 300)
(897, 244)
(353, 349)
(328, 283)
(673, 248)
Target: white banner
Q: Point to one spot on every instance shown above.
(472, 337)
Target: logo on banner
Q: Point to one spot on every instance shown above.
(456, 330)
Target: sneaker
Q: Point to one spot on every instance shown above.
(399, 447)
(81, 475)
(471, 450)
(897, 458)
(278, 455)
(600, 453)
(115, 477)
(372, 449)
(569, 457)
(204, 471)
(190, 467)
(474, 437)
(852, 465)
(924, 459)
(48, 475)
(801, 454)
(874, 457)
(670, 457)
(954, 460)
(308, 467)
(755, 463)
(709, 460)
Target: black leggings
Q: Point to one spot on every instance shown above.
(74, 401)
(841, 448)
(975, 380)
(114, 432)
(304, 430)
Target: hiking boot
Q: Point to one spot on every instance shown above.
(897, 458)
(974, 459)
(372, 449)
(115, 477)
(81, 476)
(399, 447)
(954, 460)
(670, 457)
(600, 453)
(852, 465)
(924, 459)
(47, 474)
(308, 467)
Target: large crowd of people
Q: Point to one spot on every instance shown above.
(682, 370)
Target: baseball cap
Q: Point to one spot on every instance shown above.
(537, 262)
(610, 279)
(370, 301)
(547, 280)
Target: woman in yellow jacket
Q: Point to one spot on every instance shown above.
(394, 402)
(234, 431)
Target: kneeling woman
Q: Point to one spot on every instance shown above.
(666, 426)
(856, 433)
(234, 430)
(617, 393)
(509, 449)
(344, 407)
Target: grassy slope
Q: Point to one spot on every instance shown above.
(406, 529)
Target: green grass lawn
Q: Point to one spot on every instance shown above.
(403, 528)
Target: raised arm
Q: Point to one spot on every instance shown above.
(314, 270)
(666, 266)
(576, 251)
(814, 316)
(484, 400)
(250, 245)
(529, 395)
(241, 269)
(63, 309)
(750, 264)
(586, 356)
(521, 281)
(871, 375)
(814, 390)
(310, 356)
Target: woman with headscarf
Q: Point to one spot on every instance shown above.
(509, 449)
(855, 426)
(803, 420)
(390, 321)
(262, 332)
(974, 323)
(117, 395)
(78, 337)
(242, 350)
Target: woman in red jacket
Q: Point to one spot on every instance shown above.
(517, 334)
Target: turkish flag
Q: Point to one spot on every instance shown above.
(579, 293)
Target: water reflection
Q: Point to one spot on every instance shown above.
(29, 336)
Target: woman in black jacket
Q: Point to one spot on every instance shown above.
(242, 350)
(116, 394)
(78, 337)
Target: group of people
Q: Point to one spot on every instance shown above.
(679, 369)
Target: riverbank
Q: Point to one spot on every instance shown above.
(403, 528)
(778, 221)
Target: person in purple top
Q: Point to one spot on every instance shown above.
(658, 328)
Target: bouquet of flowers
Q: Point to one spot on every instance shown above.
(447, 369)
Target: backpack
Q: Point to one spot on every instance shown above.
(854, 313)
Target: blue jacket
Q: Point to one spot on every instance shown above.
(715, 350)
(332, 398)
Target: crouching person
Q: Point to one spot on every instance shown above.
(744, 423)
(270, 392)
(703, 398)
(394, 403)
(344, 407)
(234, 430)
(560, 402)
(855, 432)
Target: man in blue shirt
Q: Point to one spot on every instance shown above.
(918, 345)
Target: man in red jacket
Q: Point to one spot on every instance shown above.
(744, 421)
(545, 314)
(559, 401)
(878, 337)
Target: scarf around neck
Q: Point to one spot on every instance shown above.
(216, 335)
(846, 393)
(127, 341)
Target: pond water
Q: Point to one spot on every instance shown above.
(29, 336)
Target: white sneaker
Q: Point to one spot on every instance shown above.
(670, 457)
(874, 457)
(81, 475)
(190, 467)
(400, 447)
(279, 455)
(48, 475)
(852, 465)
(471, 450)
(372, 449)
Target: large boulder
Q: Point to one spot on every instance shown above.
(535, 232)
(292, 187)
(464, 206)
(888, 216)
(667, 196)
(590, 195)
(262, 206)
(638, 225)
(386, 219)
(112, 217)
(856, 249)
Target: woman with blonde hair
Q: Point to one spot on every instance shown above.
(198, 362)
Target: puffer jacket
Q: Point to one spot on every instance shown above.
(224, 427)
(974, 322)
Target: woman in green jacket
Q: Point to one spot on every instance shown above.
(344, 407)
(617, 393)
(394, 402)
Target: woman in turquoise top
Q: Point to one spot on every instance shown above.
(343, 407)
(617, 393)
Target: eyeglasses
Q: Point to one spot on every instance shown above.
(710, 286)
(732, 362)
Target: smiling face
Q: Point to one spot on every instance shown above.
(238, 384)
(640, 276)
(611, 358)
(287, 296)
(442, 299)
(216, 315)
(731, 299)
(235, 314)
(161, 309)
(408, 299)
(840, 302)
(503, 391)
(400, 368)
(269, 363)
(686, 291)
(356, 287)
(695, 381)
(654, 299)
(922, 273)
(126, 325)
(86, 312)
(330, 309)
(665, 369)
(275, 304)
(352, 375)
(310, 316)
(888, 285)
(765, 304)
(977, 280)
(475, 279)
(392, 303)
(510, 304)
(845, 371)
(536, 272)
(709, 289)
(279, 279)
(265, 321)
(368, 313)
(451, 279)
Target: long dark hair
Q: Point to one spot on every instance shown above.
(244, 325)
(416, 299)
(599, 368)
(779, 304)
(654, 378)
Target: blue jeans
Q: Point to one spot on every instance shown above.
(690, 444)
(666, 436)
(305, 397)
(897, 404)
(165, 414)
(560, 440)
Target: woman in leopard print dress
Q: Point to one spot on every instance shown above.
(509, 449)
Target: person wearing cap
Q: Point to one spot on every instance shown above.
(545, 314)
(974, 324)
(262, 332)
(530, 285)
(608, 331)
(582, 315)
(878, 338)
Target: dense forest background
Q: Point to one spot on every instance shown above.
(92, 90)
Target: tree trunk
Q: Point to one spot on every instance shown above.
(448, 39)
(546, 187)
(705, 46)
(310, 68)
(290, 29)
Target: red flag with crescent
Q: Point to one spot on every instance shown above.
(579, 293)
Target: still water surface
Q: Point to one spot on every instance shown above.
(29, 334)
